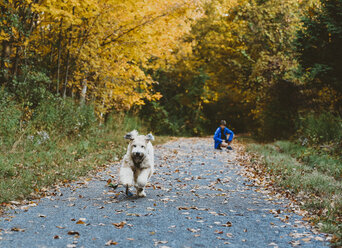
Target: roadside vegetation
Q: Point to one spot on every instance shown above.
(61, 141)
(310, 168)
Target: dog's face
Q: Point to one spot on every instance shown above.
(138, 145)
(138, 148)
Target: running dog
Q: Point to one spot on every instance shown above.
(138, 164)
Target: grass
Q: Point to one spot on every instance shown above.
(308, 171)
(33, 165)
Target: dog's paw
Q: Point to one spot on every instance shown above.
(129, 193)
(142, 194)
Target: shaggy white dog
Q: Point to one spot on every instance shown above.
(138, 163)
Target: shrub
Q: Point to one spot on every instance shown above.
(319, 129)
(31, 87)
(158, 118)
(10, 116)
(63, 117)
(277, 120)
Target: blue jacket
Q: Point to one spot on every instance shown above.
(217, 136)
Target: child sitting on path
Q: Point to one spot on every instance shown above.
(221, 135)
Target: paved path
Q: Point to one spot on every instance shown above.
(198, 199)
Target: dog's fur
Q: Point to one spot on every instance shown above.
(138, 163)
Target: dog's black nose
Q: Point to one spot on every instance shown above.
(138, 154)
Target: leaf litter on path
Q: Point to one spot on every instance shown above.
(202, 188)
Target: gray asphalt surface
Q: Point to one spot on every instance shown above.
(197, 198)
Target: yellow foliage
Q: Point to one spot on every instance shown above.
(109, 43)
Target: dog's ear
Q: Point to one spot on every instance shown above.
(131, 135)
(149, 137)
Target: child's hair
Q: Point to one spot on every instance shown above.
(223, 122)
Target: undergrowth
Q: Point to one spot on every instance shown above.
(57, 142)
(313, 175)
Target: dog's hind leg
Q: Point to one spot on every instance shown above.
(128, 193)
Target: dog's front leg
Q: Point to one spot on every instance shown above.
(142, 181)
(126, 178)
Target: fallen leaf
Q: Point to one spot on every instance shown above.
(334, 239)
(306, 239)
(295, 243)
(229, 235)
(56, 237)
(111, 242)
(160, 242)
(73, 233)
(228, 224)
(133, 214)
(80, 222)
(17, 229)
(119, 225)
(183, 208)
(319, 238)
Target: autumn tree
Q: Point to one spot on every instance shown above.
(319, 45)
(91, 50)
(246, 50)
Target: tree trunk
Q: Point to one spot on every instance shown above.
(51, 65)
(59, 56)
(16, 62)
(66, 75)
(6, 49)
(68, 58)
(67, 65)
(84, 91)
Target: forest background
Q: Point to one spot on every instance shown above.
(75, 75)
